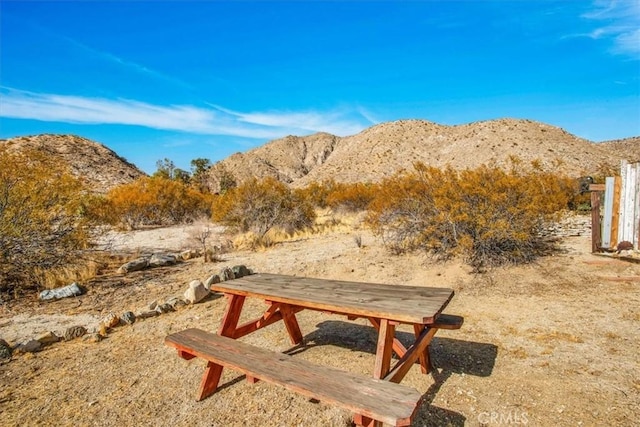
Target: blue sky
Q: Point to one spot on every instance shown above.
(184, 80)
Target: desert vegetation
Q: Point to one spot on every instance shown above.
(43, 225)
(488, 215)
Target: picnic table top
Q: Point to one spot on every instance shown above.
(404, 304)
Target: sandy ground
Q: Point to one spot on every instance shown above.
(552, 343)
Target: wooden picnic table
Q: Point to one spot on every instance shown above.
(385, 306)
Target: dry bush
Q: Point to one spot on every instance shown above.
(153, 201)
(317, 193)
(351, 197)
(42, 221)
(489, 215)
(259, 206)
(339, 196)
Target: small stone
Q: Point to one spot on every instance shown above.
(147, 314)
(5, 349)
(176, 302)
(196, 292)
(74, 332)
(227, 274)
(164, 308)
(30, 346)
(153, 305)
(93, 338)
(213, 279)
(135, 265)
(128, 317)
(72, 290)
(162, 260)
(48, 338)
(240, 271)
(110, 321)
(185, 255)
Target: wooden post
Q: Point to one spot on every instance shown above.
(596, 236)
(615, 223)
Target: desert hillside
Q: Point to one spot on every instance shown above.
(628, 148)
(384, 149)
(100, 167)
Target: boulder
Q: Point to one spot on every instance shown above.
(211, 280)
(227, 274)
(48, 338)
(72, 290)
(30, 346)
(196, 292)
(5, 349)
(162, 260)
(164, 308)
(110, 321)
(176, 302)
(128, 317)
(240, 271)
(135, 265)
(146, 314)
(74, 332)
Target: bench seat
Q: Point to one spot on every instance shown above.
(380, 400)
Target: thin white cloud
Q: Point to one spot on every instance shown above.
(21, 104)
(336, 122)
(618, 21)
(108, 56)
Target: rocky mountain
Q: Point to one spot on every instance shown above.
(628, 148)
(384, 149)
(100, 167)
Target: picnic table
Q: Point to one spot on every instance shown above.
(373, 400)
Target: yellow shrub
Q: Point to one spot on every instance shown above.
(155, 201)
(489, 215)
(42, 225)
(259, 206)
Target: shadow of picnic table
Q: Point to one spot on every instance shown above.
(448, 356)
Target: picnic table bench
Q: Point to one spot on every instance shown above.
(372, 400)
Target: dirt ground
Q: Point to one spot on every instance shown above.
(552, 343)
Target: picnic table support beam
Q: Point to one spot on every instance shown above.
(291, 323)
(272, 315)
(425, 358)
(416, 351)
(213, 372)
(386, 335)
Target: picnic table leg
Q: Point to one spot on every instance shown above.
(386, 334)
(425, 360)
(213, 372)
(290, 321)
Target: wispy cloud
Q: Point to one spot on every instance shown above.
(217, 120)
(109, 57)
(618, 21)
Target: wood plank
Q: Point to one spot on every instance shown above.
(403, 365)
(630, 204)
(386, 335)
(448, 321)
(636, 220)
(270, 316)
(608, 212)
(381, 400)
(615, 220)
(595, 222)
(623, 196)
(405, 304)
